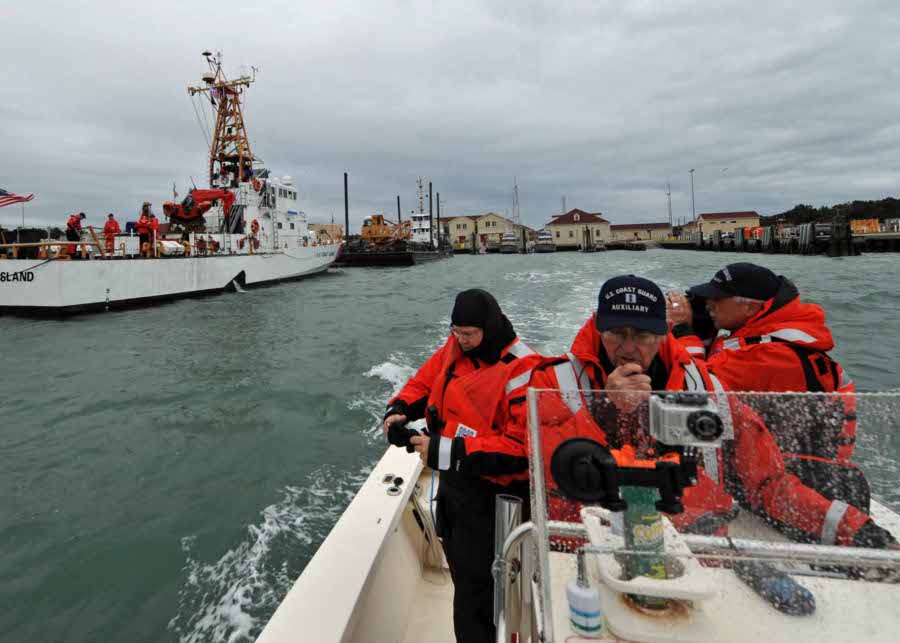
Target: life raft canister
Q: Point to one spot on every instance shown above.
(257, 186)
(254, 226)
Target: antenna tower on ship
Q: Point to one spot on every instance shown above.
(230, 158)
(421, 195)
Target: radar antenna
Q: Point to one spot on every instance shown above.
(230, 158)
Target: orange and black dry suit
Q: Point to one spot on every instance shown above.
(784, 348)
(478, 455)
(73, 231)
(110, 230)
(143, 224)
(751, 462)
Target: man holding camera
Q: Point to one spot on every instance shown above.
(626, 349)
(778, 343)
(465, 391)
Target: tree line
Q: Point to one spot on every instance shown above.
(888, 208)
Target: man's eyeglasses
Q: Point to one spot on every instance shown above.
(464, 334)
(641, 338)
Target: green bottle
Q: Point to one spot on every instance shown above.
(643, 527)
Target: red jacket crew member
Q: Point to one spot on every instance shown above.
(73, 230)
(779, 343)
(110, 230)
(470, 384)
(626, 350)
(154, 233)
(143, 227)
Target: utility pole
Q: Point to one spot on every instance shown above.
(669, 196)
(693, 210)
(346, 209)
(430, 216)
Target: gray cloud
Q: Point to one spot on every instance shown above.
(601, 101)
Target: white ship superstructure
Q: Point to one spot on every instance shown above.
(420, 232)
(246, 229)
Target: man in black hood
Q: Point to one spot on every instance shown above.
(466, 390)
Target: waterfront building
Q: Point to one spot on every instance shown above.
(640, 231)
(333, 231)
(569, 230)
(724, 222)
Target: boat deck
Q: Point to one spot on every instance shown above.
(369, 582)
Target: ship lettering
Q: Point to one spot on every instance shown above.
(16, 277)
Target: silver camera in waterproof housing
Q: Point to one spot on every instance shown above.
(687, 419)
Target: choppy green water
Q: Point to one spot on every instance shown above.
(168, 472)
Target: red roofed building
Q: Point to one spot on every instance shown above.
(640, 231)
(576, 228)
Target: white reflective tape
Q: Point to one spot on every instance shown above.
(693, 381)
(845, 379)
(711, 463)
(517, 381)
(444, 453)
(832, 520)
(568, 386)
(724, 405)
(793, 335)
(520, 349)
(695, 350)
(584, 381)
(732, 344)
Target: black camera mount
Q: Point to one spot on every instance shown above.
(585, 470)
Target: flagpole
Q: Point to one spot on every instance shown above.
(19, 235)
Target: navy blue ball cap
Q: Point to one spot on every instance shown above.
(631, 302)
(740, 280)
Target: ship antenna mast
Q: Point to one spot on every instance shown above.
(421, 196)
(230, 158)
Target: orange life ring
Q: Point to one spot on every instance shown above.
(254, 226)
(257, 185)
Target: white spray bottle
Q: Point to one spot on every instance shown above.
(585, 614)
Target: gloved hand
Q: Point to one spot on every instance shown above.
(399, 435)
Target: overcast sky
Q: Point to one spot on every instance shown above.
(603, 102)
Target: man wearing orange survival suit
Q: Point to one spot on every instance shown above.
(469, 384)
(110, 230)
(778, 343)
(73, 232)
(143, 227)
(626, 350)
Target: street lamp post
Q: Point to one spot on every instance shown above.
(693, 211)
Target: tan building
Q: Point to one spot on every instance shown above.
(576, 227)
(640, 231)
(709, 223)
(333, 231)
(491, 228)
(460, 231)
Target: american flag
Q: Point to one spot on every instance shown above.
(8, 198)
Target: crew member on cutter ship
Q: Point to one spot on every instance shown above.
(153, 227)
(626, 350)
(143, 228)
(73, 231)
(780, 344)
(465, 390)
(110, 230)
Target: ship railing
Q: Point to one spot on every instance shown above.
(57, 248)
